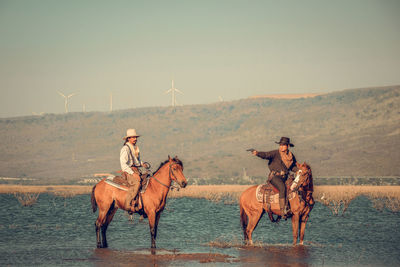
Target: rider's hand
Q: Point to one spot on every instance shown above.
(254, 152)
(146, 165)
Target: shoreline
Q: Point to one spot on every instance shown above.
(202, 190)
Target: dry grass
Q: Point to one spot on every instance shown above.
(337, 198)
(390, 201)
(228, 194)
(59, 190)
(26, 199)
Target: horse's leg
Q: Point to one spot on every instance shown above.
(295, 227)
(99, 223)
(156, 224)
(152, 222)
(304, 218)
(110, 215)
(253, 219)
(303, 222)
(244, 221)
(98, 238)
(105, 205)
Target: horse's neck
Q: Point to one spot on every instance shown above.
(160, 182)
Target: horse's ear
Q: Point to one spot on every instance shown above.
(169, 158)
(298, 165)
(176, 157)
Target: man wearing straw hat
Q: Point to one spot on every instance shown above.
(280, 163)
(130, 163)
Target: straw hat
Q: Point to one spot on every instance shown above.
(130, 133)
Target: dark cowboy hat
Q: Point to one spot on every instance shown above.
(285, 141)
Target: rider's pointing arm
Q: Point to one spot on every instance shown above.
(265, 155)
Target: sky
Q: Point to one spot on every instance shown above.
(213, 49)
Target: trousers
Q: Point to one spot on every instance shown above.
(134, 182)
(279, 184)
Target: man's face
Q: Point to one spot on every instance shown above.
(283, 148)
(132, 140)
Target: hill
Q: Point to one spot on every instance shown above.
(348, 133)
(286, 96)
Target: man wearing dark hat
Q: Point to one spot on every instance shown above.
(280, 163)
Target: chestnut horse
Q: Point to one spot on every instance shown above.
(301, 204)
(152, 202)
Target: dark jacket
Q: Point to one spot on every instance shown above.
(275, 162)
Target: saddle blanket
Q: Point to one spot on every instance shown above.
(110, 181)
(118, 182)
(273, 197)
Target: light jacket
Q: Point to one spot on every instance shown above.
(129, 159)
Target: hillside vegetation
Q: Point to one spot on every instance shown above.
(349, 133)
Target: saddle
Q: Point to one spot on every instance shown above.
(121, 183)
(145, 178)
(267, 193)
(269, 196)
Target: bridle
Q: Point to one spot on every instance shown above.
(171, 177)
(306, 181)
(304, 176)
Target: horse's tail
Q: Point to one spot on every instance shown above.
(93, 199)
(243, 219)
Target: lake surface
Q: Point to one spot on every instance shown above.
(60, 231)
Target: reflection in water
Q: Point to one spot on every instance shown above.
(158, 257)
(271, 256)
(274, 256)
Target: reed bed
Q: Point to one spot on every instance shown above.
(228, 194)
(26, 199)
(59, 190)
(337, 198)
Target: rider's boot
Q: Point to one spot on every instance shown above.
(288, 211)
(130, 199)
(282, 205)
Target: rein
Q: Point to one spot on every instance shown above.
(160, 182)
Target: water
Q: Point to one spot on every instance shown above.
(59, 231)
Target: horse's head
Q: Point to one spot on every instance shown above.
(176, 171)
(305, 176)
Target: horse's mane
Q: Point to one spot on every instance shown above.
(176, 160)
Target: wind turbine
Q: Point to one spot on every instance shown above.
(66, 100)
(172, 90)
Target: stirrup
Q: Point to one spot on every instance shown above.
(285, 214)
(133, 209)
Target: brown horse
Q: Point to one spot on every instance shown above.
(300, 199)
(152, 202)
